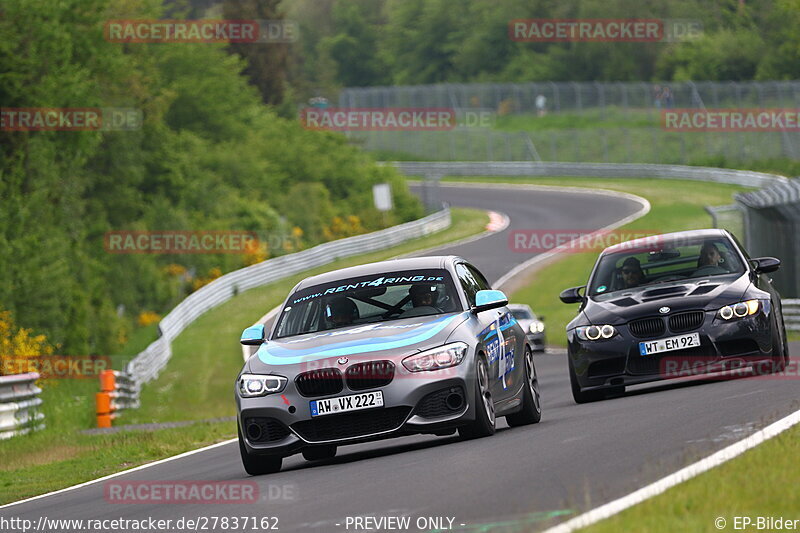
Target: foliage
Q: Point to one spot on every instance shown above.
(208, 156)
(18, 344)
(383, 42)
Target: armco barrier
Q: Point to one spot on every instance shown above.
(118, 391)
(19, 405)
(147, 365)
(791, 314)
(436, 170)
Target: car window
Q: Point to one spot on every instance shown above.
(468, 282)
(368, 299)
(480, 278)
(521, 314)
(668, 260)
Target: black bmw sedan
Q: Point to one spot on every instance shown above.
(670, 306)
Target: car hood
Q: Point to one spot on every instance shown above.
(684, 295)
(368, 341)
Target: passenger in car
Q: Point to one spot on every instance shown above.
(709, 255)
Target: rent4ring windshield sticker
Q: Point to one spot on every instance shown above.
(397, 278)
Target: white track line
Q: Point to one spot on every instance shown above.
(122, 473)
(654, 489)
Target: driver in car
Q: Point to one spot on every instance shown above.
(341, 312)
(423, 295)
(632, 275)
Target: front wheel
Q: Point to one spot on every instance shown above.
(531, 412)
(484, 424)
(257, 465)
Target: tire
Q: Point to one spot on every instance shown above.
(531, 412)
(257, 465)
(320, 453)
(778, 351)
(778, 362)
(786, 356)
(484, 423)
(583, 396)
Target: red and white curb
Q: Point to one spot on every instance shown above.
(497, 222)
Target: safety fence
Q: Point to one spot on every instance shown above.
(603, 98)
(147, 364)
(772, 227)
(20, 405)
(509, 122)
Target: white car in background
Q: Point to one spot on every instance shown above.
(533, 325)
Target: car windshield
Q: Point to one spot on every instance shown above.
(521, 314)
(368, 299)
(665, 260)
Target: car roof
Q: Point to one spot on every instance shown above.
(381, 267)
(645, 242)
(525, 307)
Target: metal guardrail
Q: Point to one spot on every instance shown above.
(437, 170)
(19, 405)
(147, 364)
(791, 314)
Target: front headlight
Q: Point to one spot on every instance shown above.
(537, 326)
(594, 333)
(252, 385)
(739, 310)
(437, 358)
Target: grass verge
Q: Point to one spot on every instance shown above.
(196, 385)
(727, 491)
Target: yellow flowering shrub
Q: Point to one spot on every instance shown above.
(148, 317)
(18, 344)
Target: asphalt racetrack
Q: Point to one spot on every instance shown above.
(520, 479)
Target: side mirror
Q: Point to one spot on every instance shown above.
(572, 295)
(253, 336)
(489, 299)
(762, 265)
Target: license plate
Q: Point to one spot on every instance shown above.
(343, 404)
(669, 344)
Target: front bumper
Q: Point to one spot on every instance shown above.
(723, 345)
(413, 403)
(537, 341)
